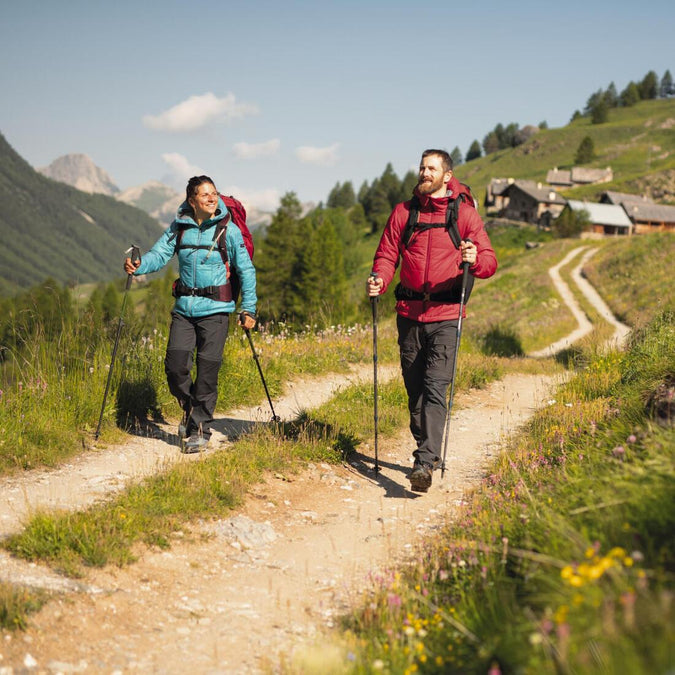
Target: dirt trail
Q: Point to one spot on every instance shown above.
(261, 586)
(268, 580)
(584, 325)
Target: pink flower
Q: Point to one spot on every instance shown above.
(619, 451)
(631, 439)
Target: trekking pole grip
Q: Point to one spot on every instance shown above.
(135, 255)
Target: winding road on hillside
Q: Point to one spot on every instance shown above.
(261, 586)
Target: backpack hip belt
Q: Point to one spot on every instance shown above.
(222, 293)
(450, 296)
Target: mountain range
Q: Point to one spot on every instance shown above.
(155, 198)
(52, 230)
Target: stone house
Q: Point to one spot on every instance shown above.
(649, 217)
(532, 203)
(578, 175)
(606, 219)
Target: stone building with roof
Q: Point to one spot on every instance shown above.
(532, 203)
(578, 175)
(650, 217)
(605, 219)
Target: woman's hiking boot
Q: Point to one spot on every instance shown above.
(420, 477)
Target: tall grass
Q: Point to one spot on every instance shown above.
(149, 512)
(562, 561)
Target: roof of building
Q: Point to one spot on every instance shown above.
(559, 177)
(639, 211)
(581, 174)
(499, 185)
(539, 192)
(602, 214)
(617, 197)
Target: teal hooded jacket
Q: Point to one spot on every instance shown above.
(200, 267)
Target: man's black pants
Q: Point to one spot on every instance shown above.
(207, 334)
(427, 353)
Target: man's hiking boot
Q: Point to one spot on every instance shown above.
(420, 477)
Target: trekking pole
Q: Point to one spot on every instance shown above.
(135, 255)
(275, 417)
(465, 277)
(373, 303)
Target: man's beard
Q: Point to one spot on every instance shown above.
(425, 188)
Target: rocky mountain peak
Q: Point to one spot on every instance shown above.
(80, 172)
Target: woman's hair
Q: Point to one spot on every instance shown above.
(193, 185)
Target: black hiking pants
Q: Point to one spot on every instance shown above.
(207, 335)
(427, 356)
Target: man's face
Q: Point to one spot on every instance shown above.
(432, 177)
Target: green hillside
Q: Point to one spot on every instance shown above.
(50, 229)
(637, 142)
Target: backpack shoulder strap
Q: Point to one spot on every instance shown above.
(452, 218)
(413, 219)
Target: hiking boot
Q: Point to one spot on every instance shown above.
(420, 477)
(195, 443)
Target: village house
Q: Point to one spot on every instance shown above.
(532, 203)
(611, 197)
(496, 196)
(649, 217)
(578, 175)
(605, 219)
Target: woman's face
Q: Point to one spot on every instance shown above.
(205, 201)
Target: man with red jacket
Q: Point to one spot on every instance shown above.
(428, 297)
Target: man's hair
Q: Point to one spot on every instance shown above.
(193, 185)
(446, 160)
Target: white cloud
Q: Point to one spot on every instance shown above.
(199, 111)
(180, 169)
(322, 156)
(255, 150)
(265, 200)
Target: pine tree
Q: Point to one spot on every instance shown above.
(347, 196)
(457, 157)
(491, 143)
(666, 88)
(649, 87)
(610, 97)
(600, 112)
(391, 185)
(630, 95)
(585, 151)
(474, 151)
(276, 256)
(408, 185)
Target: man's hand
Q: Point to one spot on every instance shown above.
(131, 266)
(246, 320)
(374, 286)
(469, 252)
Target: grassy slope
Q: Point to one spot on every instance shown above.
(637, 142)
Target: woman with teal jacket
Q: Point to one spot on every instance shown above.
(204, 302)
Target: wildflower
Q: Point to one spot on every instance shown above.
(631, 439)
(378, 664)
(619, 451)
(91, 370)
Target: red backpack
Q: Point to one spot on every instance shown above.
(238, 214)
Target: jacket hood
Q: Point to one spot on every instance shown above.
(185, 213)
(454, 189)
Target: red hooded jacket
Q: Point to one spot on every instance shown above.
(431, 263)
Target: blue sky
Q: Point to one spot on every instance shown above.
(268, 97)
